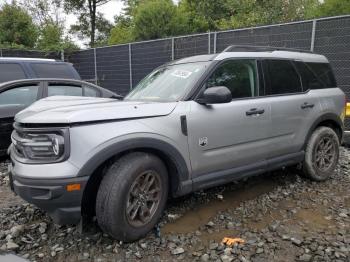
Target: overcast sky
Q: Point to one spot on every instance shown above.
(112, 8)
(109, 10)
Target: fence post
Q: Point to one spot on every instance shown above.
(130, 67)
(95, 62)
(312, 47)
(62, 54)
(209, 43)
(172, 48)
(215, 35)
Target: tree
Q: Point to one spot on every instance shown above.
(205, 15)
(44, 11)
(244, 13)
(329, 8)
(157, 19)
(51, 38)
(16, 27)
(122, 32)
(90, 22)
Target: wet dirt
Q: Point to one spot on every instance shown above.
(201, 215)
(7, 198)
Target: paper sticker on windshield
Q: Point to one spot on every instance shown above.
(181, 73)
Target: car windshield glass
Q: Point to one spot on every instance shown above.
(168, 83)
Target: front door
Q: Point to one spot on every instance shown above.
(230, 135)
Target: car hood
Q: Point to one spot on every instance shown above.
(70, 109)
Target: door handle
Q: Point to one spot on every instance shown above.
(255, 111)
(307, 105)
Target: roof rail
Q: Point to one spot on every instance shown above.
(26, 58)
(251, 48)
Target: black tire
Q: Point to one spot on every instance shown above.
(114, 196)
(312, 166)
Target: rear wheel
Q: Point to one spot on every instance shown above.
(132, 196)
(321, 154)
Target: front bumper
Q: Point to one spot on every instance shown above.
(52, 196)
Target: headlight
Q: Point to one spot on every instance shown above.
(41, 146)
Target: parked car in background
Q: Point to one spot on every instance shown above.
(191, 124)
(15, 68)
(17, 95)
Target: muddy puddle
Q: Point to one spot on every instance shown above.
(201, 215)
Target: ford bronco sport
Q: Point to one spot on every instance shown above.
(191, 124)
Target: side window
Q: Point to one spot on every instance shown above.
(22, 96)
(56, 70)
(283, 78)
(64, 90)
(239, 76)
(324, 72)
(90, 91)
(10, 72)
(308, 78)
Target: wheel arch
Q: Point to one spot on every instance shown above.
(329, 120)
(179, 179)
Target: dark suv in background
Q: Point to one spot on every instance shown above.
(13, 68)
(26, 80)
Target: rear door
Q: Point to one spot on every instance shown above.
(12, 100)
(291, 107)
(230, 135)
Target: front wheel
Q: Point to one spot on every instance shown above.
(321, 154)
(132, 196)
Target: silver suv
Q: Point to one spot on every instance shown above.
(194, 123)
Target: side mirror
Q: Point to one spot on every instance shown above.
(215, 95)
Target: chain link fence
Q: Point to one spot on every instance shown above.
(119, 68)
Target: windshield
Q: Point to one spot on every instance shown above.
(168, 83)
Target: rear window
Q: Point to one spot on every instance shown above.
(324, 73)
(64, 90)
(309, 78)
(47, 70)
(11, 71)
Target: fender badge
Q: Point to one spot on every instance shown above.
(203, 141)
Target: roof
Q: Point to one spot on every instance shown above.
(26, 59)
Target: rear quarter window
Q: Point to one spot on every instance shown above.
(324, 73)
(47, 70)
(11, 71)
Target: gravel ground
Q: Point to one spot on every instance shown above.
(280, 216)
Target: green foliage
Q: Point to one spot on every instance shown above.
(52, 38)
(205, 15)
(329, 8)
(16, 27)
(122, 32)
(157, 19)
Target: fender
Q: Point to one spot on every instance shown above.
(330, 117)
(185, 183)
